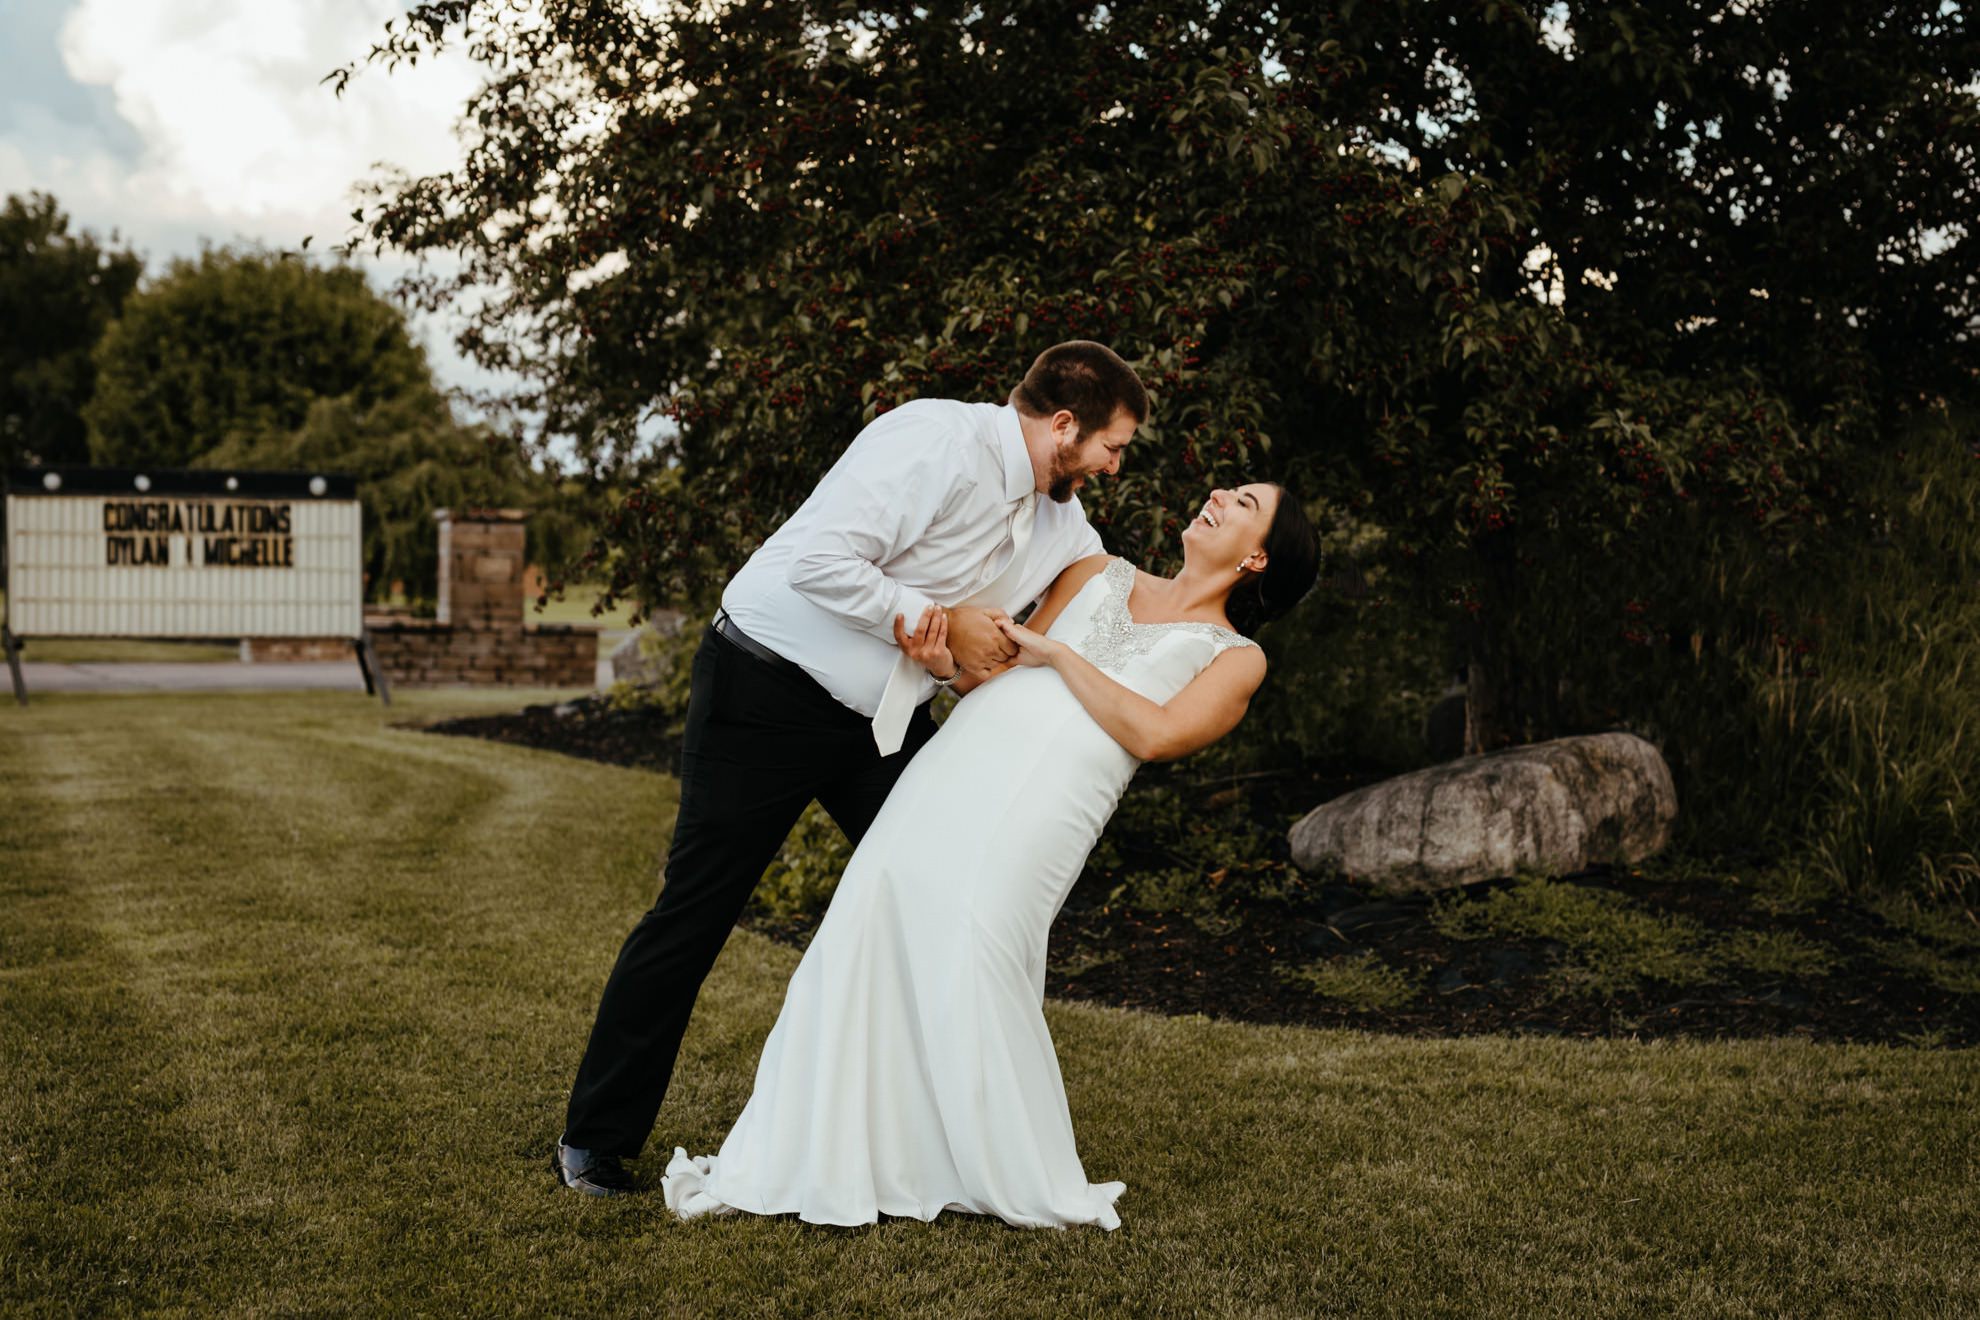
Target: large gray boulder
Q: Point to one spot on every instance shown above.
(1551, 807)
(630, 660)
(641, 659)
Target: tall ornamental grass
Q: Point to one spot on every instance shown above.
(1824, 710)
(1880, 743)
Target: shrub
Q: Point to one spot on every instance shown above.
(1961, 976)
(1362, 980)
(1610, 944)
(1781, 952)
(799, 883)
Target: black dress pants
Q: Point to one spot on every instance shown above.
(761, 743)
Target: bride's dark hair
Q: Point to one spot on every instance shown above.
(1292, 563)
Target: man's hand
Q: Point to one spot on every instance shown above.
(928, 644)
(976, 640)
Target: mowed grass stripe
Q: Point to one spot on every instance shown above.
(297, 912)
(296, 997)
(90, 1099)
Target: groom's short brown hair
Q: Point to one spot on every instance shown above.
(1088, 380)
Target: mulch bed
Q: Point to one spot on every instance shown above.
(1497, 986)
(1229, 965)
(588, 727)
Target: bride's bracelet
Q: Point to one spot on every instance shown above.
(945, 682)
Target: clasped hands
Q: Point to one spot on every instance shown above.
(971, 640)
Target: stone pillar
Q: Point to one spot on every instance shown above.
(481, 568)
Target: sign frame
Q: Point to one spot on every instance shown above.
(215, 535)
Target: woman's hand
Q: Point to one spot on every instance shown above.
(928, 644)
(1034, 648)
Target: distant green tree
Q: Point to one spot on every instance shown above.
(239, 345)
(249, 359)
(411, 457)
(58, 291)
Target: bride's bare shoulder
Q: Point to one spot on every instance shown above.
(1080, 571)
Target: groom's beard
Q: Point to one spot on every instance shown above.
(1065, 472)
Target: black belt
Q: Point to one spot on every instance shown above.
(726, 626)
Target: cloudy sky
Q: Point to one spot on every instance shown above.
(177, 121)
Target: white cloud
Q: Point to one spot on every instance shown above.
(235, 123)
(226, 130)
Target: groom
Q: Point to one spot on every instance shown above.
(800, 692)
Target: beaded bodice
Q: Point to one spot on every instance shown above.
(1113, 637)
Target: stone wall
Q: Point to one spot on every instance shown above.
(479, 636)
(431, 654)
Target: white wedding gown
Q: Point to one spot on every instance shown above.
(910, 1071)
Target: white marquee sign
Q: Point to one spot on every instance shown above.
(106, 552)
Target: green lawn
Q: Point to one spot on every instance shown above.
(289, 1000)
(575, 607)
(125, 650)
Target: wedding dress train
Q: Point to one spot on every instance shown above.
(910, 1070)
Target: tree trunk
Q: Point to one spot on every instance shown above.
(1481, 708)
(1494, 714)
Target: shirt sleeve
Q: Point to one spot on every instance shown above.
(1089, 544)
(879, 499)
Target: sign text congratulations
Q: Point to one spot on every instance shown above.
(230, 534)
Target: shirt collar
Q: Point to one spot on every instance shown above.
(1019, 481)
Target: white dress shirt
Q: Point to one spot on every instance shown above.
(917, 511)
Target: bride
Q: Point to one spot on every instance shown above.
(910, 1070)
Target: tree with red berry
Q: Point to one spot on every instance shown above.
(1610, 293)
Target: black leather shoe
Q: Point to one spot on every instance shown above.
(591, 1172)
